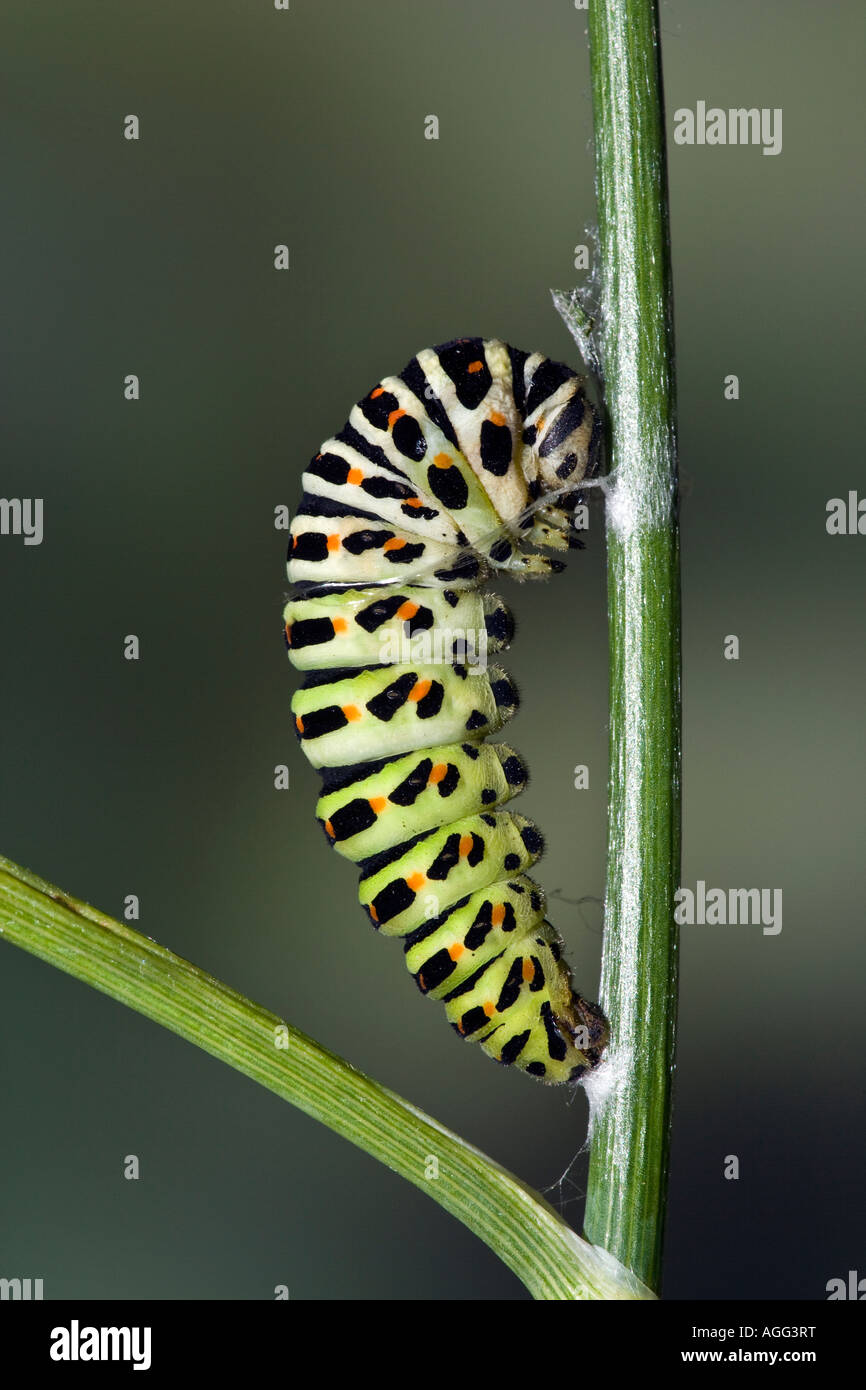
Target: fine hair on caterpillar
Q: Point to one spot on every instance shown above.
(466, 466)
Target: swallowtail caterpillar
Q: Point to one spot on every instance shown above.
(454, 470)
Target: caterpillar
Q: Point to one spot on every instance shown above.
(454, 470)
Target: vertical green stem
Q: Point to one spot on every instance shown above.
(632, 1096)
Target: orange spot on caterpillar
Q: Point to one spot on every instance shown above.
(355, 476)
(377, 391)
(528, 969)
(394, 544)
(378, 804)
(373, 913)
(294, 542)
(330, 829)
(456, 951)
(540, 425)
(339, 624)
(475, 367)
(407, 609)
(419, 690)
(442, 461)
(459, 1026)
(351, 712)
(465, 844)
(495, 418)
(334, 542)
(299, 724)
(394, 417)
(413, 502)
(289, 633)
(497, 916)
(416, 881)
(437, 772)
(489, 1009)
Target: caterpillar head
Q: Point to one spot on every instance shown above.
(565, 435)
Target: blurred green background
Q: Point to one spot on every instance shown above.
(306, 127)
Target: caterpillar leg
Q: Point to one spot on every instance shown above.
(532, 566)
(554, 528)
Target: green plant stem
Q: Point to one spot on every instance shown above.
(517, 1224)
(627, 1190)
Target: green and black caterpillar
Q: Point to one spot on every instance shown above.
(443, 475)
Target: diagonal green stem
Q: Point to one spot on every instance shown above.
(631, 1095)
(518, 1225)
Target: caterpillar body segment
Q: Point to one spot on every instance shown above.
(395, 709)
(449, 949)
(366, 627)
(355, 549)
(444, 865)
(388, 418)
(457, 468)
(335, 475)
(485, 417)
(410, 796)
